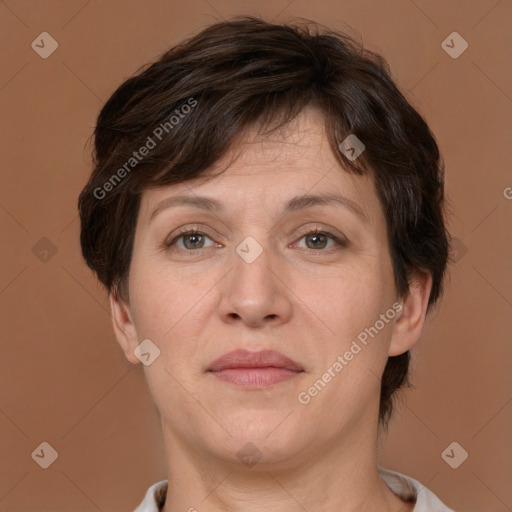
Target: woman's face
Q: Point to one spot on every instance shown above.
(254, 279)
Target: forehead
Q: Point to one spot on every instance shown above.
(265, 169)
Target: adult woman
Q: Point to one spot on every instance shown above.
(266, 214)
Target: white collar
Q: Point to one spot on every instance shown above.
(402, 485)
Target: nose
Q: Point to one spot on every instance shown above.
(255, 292)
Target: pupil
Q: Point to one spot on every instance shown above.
(191, 237)
(316, 236)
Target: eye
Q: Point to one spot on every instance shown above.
(317, 239)
(193, 239)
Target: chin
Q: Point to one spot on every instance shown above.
(265, 437)
(257, 424)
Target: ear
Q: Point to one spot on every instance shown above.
(411, 319)
(124, 327)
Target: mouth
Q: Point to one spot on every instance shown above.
(254, 370)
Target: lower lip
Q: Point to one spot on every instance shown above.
(255, 378)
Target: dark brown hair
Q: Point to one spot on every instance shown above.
(188, 108)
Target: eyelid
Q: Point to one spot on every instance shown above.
(323, 230)
(305, 230)
(185, 230)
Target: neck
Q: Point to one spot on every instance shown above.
(342, 477)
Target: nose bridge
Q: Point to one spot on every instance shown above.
(253, 291)
(252, 262)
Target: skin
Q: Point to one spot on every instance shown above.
(305, 297)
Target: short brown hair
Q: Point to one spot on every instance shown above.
(247, 72)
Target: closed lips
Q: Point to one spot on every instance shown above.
(262, 359)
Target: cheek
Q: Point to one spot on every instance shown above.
(348, 301)
(161, 296)
(347, 376)
(173, 311)
(353, 354)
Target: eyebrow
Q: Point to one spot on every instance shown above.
(294, 204)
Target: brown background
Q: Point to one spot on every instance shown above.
(63, 378)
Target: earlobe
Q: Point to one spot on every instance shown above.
(410, 322)
(124, 328)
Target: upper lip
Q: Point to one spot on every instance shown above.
(246, 359)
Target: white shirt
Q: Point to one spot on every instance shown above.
(402, 485)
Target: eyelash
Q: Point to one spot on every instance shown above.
(341, 242)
